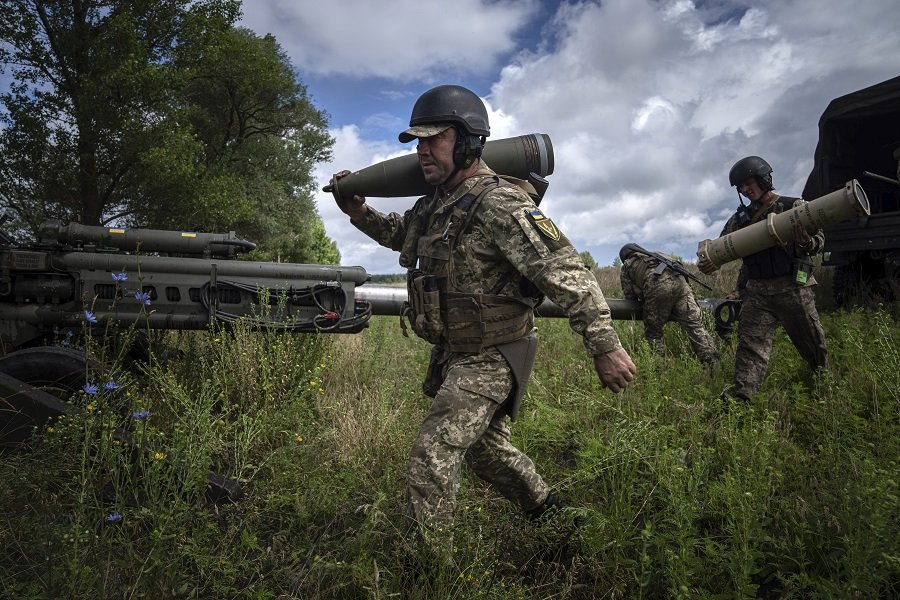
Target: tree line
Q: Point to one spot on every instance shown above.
(158, 113)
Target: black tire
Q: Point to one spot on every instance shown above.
(57, 371)
(38, 382)
(845, 285)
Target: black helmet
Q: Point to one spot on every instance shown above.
(627, 250)
(455, 105)
(449, 104)
(752, 166)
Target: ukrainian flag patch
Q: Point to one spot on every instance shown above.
(544, 224)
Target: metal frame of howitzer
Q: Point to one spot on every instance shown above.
(49, 284)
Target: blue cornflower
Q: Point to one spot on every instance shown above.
(140, 414)
(89, 388)
(114, 517)
(90, 316)
(119, 276)
(65, 342)
(143, 297)
(69, 333)
(110, 385)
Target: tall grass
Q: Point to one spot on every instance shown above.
(794, 495)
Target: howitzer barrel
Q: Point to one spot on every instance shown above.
(144, 240)
(840, 205)
(400, 177)
(388, 300)
(158, 266)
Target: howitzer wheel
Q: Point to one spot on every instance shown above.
(37, 383)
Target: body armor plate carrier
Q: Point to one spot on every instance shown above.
(464, 322)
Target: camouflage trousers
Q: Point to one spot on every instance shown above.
(795, 310)
(466, 423)
(669, 297)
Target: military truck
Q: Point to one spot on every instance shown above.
(859, 138)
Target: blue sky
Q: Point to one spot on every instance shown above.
(648, 103)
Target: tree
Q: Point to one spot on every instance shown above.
(588, 260)
(156, 113)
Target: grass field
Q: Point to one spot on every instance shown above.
(792, 496)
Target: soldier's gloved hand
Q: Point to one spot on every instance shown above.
(706, 266)
(354, 206)
(615, 369)
(802, 237)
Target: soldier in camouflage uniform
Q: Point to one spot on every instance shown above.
(664, 295)
(776, 285)
(479, 253)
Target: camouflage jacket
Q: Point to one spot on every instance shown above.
(776, 285)
(507, 238)
(637, 273)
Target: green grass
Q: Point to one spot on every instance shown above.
(792, 496)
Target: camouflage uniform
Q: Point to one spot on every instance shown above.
(665, 296)
(468, 420)
(774, 299)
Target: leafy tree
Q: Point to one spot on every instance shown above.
(589, 261)
(617, 262)
(157, 113)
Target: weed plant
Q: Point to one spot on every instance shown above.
(793, 495)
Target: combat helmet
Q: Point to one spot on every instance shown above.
(752, 166)
(627, 250)
(457, 106)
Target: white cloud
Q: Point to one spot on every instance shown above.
(402, 39)
(648, 103)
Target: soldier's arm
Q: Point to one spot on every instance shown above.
(554, 266)
(546, 257)
(629, 290)
(388, 230)
(707, 267)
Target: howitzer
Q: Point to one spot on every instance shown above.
(74, 276)
(75, 268)
(389, 300)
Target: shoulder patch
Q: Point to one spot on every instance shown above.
(544, 225)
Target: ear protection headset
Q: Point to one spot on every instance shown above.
(467, 149)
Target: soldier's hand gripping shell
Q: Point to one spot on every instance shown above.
(353, 206)
(801, 236)
(705, 265)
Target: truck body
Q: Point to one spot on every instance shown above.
(859, 138)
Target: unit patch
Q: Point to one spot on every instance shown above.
(544, 224)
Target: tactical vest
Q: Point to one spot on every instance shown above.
(776, 261)
(441, 313)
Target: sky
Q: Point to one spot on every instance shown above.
(648, 103)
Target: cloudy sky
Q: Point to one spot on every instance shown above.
(648, 103)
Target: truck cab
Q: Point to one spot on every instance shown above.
(859, 138)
